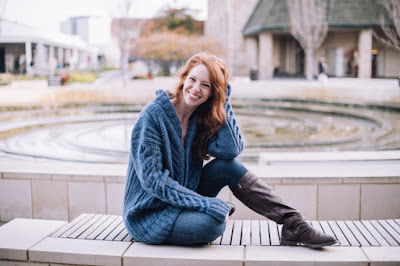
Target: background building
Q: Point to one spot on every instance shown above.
(26, 49)
(257, 36)
(96, 32)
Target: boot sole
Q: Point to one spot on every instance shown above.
(310, 245)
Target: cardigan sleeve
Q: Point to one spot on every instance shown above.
(228, 143)
(155, 179)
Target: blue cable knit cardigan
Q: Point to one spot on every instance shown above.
(162, 175)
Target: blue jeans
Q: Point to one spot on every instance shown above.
(194, 227)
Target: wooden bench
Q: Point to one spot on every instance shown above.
(244, 232)
(96, 239)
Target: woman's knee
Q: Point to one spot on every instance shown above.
(231, 166)
(195, 228)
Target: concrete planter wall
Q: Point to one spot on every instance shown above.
(62, 192)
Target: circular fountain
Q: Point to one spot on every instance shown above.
(99, 133)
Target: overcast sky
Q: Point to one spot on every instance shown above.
(48, 14)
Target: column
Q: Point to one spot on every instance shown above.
(339, 62)
(60, 58)
(75, 59)
(40, 60)
(52, 61)
(364, 48)
(28, 58)
(67, 60)
(251, 53)
(265, 62)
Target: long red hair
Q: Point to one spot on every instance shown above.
(210, 116)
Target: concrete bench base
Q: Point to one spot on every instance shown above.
(43, 242)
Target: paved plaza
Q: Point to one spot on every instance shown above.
(109, 87)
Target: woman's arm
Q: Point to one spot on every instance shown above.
(228, 144)
(155, 180)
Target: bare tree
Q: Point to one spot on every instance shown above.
(124, 37)
(308, 26)
(3, 5)
(391, 33)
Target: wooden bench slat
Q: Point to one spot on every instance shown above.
(317, 225)
(94, 226)
(128, 238)
(371, 240)
(393, 233)
(255, 233)
(338, 233)
(227, 235)
(348, 234)
(69, 225)
(264, 233)
(121, 236)
(274, 235)
(216, 241)
(394, 225)
(375, 233)
(279, 230)
(382, 231)
(237, 233)
(246, 233)
(115, 232)
(327, 229)
(397, 221)
(85, 226)
(102, 227)
(77, 225)
(357, 234)
(109, 228)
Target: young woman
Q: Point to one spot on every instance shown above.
(170, 196)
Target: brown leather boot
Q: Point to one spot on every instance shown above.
(259, 197)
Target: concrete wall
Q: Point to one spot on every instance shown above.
(57, 192)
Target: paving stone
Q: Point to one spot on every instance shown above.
(17, 236)
(301, 256)
(207, 255)
(382, 256)
(78, 251)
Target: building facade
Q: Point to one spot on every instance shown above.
(257, 37)
(28, 50)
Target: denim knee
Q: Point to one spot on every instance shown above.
(232, 169)
(193, 227)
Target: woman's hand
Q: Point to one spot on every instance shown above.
(227, 218)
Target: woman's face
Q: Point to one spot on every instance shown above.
(197, 86)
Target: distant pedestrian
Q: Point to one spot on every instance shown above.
(322, 68)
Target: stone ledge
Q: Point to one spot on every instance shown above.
(78, 251)
(207, 255)
(315, 156)
(276, 174)
(43, 250)
(17, 236)
(305, 256)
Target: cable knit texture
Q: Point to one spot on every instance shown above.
(162, 175)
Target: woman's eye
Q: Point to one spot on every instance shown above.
(206, 85)
(192, 79)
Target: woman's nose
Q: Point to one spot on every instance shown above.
(196, 86)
